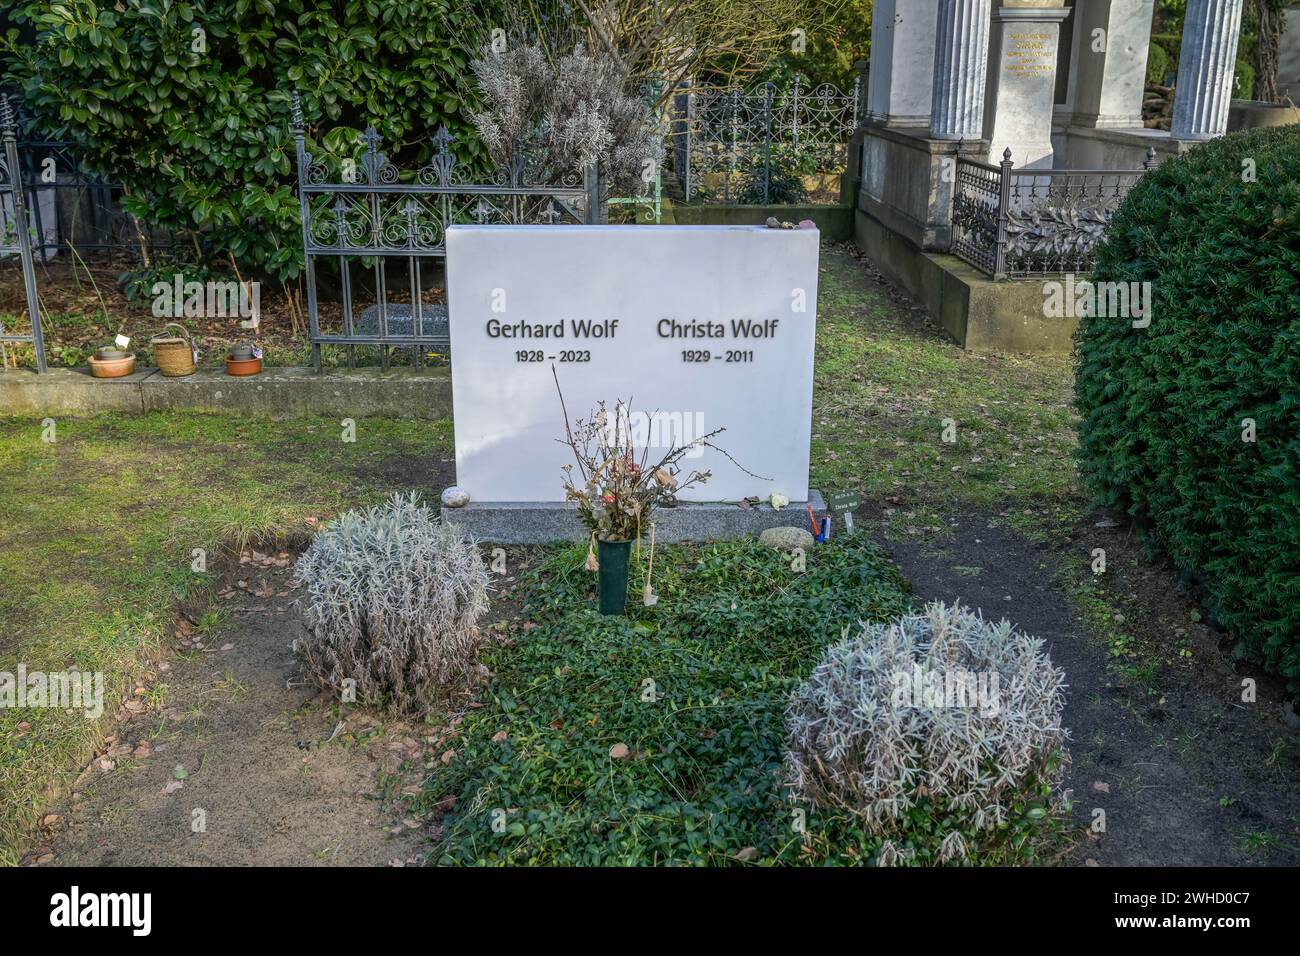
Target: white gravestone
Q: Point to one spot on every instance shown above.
(700, 327)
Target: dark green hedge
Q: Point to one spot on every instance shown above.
(1162, 407)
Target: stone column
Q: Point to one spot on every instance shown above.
(902, 57)
(1022, 80)
(960, 69)
(1288, 60)
(1110, 64)
(1211, 29)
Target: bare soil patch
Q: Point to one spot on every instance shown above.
(231, 757)
(1185, 773)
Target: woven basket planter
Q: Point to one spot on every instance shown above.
(174, 354)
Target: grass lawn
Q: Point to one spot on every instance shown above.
(97, 534)
(888, 387)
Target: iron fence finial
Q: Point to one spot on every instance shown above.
(6, 116)
(296, 100)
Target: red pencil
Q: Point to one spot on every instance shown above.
(812, 518)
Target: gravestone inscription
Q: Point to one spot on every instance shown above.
(696, 327)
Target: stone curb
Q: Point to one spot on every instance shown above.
(274, 393)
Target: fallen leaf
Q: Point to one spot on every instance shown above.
(179, 772)
(618, 751)
(448, 756)
(747, 854)
(172, 786)
(499, 736)
(1101, 787)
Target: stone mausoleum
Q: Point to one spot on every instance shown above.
(1001, 135)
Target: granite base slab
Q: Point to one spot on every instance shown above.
(533, 522)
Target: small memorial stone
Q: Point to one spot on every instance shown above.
(455, 497)
(786, 539)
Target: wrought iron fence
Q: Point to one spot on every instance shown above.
(734, 143)
(79, 212)
(374, 211)
(76, 210)
(15, 234)
(648, 206)
(1010, 222)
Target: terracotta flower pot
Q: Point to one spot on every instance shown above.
(112, 368)
(243, 366)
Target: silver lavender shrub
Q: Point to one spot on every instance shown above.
(941, 705)
(393, 597)
(565, 116)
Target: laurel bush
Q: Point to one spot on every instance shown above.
(187, 104)
(1163, 409)
(393, 595)
(941, 719)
